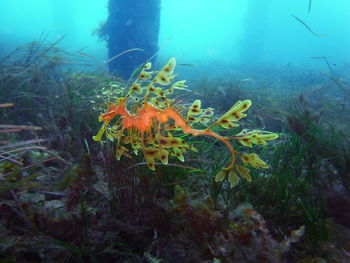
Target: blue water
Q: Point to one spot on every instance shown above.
(206, 29)
(256, 32)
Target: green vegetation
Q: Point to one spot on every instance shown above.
(64, 198)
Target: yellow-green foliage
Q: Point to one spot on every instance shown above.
(149, 122)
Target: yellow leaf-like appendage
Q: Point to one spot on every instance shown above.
(254, 160)
(244, 172)
(147, 120)
(233, 178)
(220, 176)
(234, 114)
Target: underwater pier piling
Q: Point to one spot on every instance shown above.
(131, 24)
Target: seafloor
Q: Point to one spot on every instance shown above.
(66, 198)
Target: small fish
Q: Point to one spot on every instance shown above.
(186, 65)
(5, 105)
(129, 22)
(246, 80)
(86, 55)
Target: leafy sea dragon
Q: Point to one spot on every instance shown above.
(148, 124)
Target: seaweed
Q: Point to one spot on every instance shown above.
(309, 8)
(64, 198)
(148, 127)
(306, 26)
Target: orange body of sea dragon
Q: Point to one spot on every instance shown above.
(150, 124)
